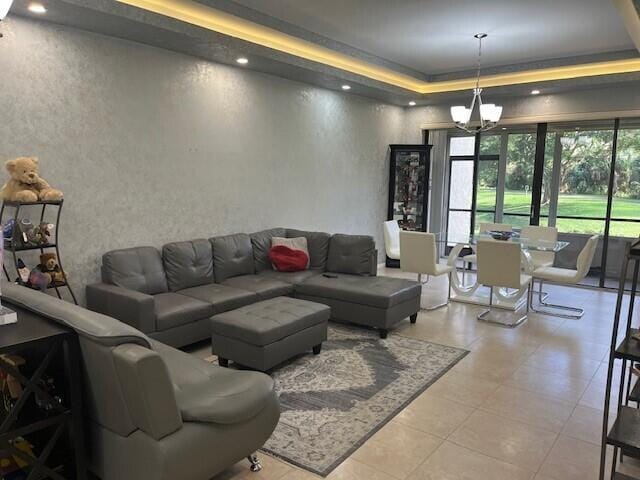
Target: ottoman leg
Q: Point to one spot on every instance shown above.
(383, 333)
(223, 362)
(413, 318)
(317, 348)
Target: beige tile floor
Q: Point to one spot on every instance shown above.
(526, 403)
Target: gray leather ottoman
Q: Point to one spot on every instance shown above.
(264, 334)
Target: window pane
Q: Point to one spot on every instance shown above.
(515, 221)
(625, 229)
(460, 146)
(484, 217)
(459, 227)
(626, 185)
(584, 172)
(487, 182)
(570, 225)
(490, 145)
(521, 150)
(461, 184)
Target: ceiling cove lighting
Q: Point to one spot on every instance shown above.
(490, 113)
(194, 13)
(242, 60)
(35, 7)
(346, 87)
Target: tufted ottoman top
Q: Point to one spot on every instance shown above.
(268, 321)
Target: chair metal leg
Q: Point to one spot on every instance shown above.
(439, 305)
(255, 466)
(486, 315)
(550, 307)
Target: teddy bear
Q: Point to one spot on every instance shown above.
(49, 266)
(25, 185)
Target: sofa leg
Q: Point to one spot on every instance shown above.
(255, 466)
(383, 333)
(223, 362)
(413, 318)
(317, 348)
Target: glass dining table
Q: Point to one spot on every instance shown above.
(471, 292)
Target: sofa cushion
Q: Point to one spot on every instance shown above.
(222, 298)
(266, 322)
(318, 245)
(350, 254)
(173, 310)
(188, 264)
(232, 256)
(263, 286)
(138, 268)
(261, 242)
(379, 292)
(290, 277)
(228, 397)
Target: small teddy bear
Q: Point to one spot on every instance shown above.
(49, 266)
(25, 185)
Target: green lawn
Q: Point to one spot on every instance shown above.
(574, 205)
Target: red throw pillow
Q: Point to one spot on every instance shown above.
(287, 259)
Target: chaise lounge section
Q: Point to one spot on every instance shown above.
(171, 295)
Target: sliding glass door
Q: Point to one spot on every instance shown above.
(588, 183)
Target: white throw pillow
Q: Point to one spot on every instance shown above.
(298, 243)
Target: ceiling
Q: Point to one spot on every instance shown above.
(393, 50)
(436, 36)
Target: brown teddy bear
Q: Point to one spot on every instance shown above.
(49, 266)
(25, 185)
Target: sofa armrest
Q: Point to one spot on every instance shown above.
(129, 306)
(148, 390)
(374, 263)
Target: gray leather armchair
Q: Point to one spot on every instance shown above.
(153, 411)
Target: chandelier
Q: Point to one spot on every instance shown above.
(489, 112)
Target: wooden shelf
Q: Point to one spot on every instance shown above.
(625, 432)
(629, 348)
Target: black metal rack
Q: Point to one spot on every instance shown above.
(10, 246)
(624, 435)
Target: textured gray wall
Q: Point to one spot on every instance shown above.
(150, 146)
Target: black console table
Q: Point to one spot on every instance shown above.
(47, 415)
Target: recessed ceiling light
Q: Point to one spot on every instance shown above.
(412, 103)
(36, 7)
(346, 87)
(535, 92)
(242, 60)
(504, 128)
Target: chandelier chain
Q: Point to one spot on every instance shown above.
(479, 62)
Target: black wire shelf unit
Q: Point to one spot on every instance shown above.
(11, 247)
(624, 434)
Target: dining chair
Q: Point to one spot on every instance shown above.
(499, 266)
(391, 231)
(566, 276)
(540, 259)
(484, 227)
(418, 254)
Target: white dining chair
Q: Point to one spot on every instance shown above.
(391, 231)
(418, 254)
(499, 266)
(540, 259)
(566, 276)
(484, 227)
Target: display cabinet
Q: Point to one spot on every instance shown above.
(409, 186)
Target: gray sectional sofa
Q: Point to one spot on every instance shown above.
(171, 295)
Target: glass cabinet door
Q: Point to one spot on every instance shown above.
(408, 189)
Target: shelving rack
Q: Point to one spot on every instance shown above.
(9, 246)
(624, 435)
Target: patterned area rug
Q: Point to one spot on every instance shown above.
(333, 402)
